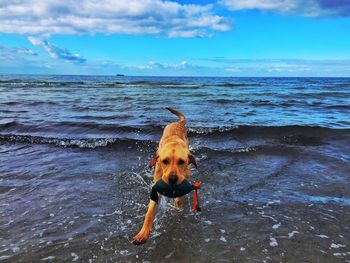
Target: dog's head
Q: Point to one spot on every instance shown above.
(173, 159)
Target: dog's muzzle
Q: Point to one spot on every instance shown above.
(172, 179)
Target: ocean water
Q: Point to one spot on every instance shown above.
(273, 159)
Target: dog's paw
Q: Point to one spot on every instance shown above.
(140, 238)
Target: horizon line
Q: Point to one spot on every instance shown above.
(166, 76)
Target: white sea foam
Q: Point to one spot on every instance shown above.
(341, 254)
(48, 258)
(291, 234)
(124, 252)
(272, 218)
(276, 226)
(9, 222)
(208, 222)
(75, 256)
(170, 255)
(223, 239)
(273, 242)
(333, 245)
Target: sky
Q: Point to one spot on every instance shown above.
(176, 38)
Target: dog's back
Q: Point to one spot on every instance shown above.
(177, 128)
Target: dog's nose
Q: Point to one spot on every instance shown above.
(172, 179)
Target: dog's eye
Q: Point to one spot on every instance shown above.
(181, 162)
(165, 161)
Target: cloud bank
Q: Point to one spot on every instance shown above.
(283, 67)
(151, 17)
(151, 65)
(147, 17)
(310, 8)
(14, 52)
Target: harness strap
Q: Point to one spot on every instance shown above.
(196, 207)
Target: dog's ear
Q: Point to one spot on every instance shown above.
(192, 160)
(153, 161)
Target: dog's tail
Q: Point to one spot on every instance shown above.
(178, 114)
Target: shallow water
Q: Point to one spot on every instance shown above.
(273, 157)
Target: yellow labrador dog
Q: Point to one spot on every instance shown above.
(172, 163)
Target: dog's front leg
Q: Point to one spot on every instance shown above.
(145, 231)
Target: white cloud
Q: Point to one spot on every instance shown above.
(151, 65)
(280, 67)
(14, 52)
(155, 17)
(279, 5)
(290, 68)
(56, 51)
(310, 8)
(233, 69)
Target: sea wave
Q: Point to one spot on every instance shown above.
(232, 85)
(135, 83)
(93, 143)
(238, 131)
(40, 83)
(284, 135)
(245, 130)
(77, 126)
(90, 143)
(97, 84)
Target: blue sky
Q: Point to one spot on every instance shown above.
(191, 38)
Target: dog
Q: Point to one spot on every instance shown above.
(172, 162)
